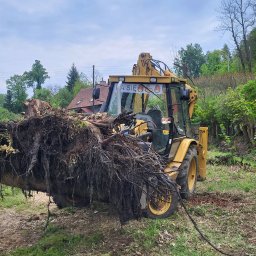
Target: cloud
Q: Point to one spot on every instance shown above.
(33, 7)
(109, 34)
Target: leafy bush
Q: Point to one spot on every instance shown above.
(6, 115)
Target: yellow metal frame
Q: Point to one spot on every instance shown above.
(146, 79)
(172, 168)
(183, 148)
(202, 152)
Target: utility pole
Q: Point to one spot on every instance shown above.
(93, 88)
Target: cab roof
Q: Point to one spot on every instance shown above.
(146, 79)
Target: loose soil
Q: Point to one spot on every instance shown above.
(21, 229)
(219, 200)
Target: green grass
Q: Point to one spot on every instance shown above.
(228, 179)
(12, 197)
(229, 158)
(58, 242)
(15, 199)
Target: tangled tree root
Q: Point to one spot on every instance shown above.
(61, 154)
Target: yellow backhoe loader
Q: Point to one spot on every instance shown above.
(163, 105)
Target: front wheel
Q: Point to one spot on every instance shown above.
(188, 173)
(162, 206)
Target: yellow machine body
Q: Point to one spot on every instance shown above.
(145, 72)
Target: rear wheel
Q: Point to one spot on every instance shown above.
(188, 173)
(162, 206)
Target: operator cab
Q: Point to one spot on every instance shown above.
(160, 109)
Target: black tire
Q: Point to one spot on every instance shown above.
(169, 210)
(186, 178)
(63, 201)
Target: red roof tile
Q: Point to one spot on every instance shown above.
(84, 98)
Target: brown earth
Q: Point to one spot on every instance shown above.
(219, 199)
(21, 229)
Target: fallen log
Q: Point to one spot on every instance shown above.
(78, 161)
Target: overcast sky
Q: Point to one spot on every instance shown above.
(107, 33)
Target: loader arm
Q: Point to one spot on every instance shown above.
(150, 67)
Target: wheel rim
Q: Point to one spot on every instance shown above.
(159, 206)
(192, 175)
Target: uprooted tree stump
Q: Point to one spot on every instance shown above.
(80, 161)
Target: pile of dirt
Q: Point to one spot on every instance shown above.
(81, 160)
(219, 199)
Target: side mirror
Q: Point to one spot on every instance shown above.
(96, 93)
(184, 94)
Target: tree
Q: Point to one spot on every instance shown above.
(252, 45)
(62, 98)
(189, 61)
(37, 76)
(213, 63)
(81, 83)
(227, 57)
(2, 99)
(8, 101)
(237, 17)
(245, 17)
(43, 94)
(72, 77)
(16, 96)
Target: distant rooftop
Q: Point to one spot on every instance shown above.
(83, 100)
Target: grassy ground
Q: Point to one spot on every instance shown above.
(224, 208)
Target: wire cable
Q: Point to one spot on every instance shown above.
(197, 228)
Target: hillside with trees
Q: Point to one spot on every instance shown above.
(11, 103)
(224, 78)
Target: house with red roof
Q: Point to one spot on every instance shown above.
(83, 101)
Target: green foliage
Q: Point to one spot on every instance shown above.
(16, 93)
(217, 62)
(249, 90)
(6, 115)
(37, 76)
(155, 102)
(8, 101)
(233, 109)
(12, 197)
(62, 98)
(2, 99)
(189, 61)
(205, 111)
(73, 77)
(223, 135)
(80, 84)
(213, 63)
(252, 44)
(43, 94)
